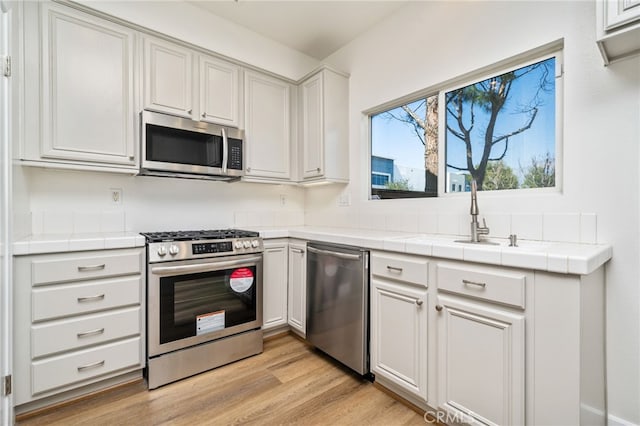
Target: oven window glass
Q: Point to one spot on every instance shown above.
(169, 145)
(196, 304)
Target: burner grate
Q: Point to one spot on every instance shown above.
(214, 234)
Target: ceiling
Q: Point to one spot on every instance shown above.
(315, 28)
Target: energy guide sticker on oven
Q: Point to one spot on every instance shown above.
(212, 321)
(241, 280)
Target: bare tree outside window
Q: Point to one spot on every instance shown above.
(495, 125)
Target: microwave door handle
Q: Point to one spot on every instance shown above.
(225, 150)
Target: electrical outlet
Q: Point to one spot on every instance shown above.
(115, 195)
(344, 200)
(283, 200)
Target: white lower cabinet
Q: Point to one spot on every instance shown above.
(480, 361)
(274, 284)
(399, 335)
(489, 345)
(297, 286)
(399, 324)
(80, 318)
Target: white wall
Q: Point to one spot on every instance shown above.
(430, 42)
(202, 28)
(66, 202)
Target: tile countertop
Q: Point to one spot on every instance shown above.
(54, 243)
(564, 258)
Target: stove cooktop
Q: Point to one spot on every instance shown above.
(211, 234)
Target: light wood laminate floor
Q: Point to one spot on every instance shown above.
(289, 383)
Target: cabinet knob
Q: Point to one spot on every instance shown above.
(418, 302)
(248, 169)
(318, 169)
(190, 111)
(438, 308)
(204, 115)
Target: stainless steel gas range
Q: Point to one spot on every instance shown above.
(204, 301)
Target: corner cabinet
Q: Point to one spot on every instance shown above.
(399, 325)
(267, 128)
(274, 284)
(618, 28)
(81, 320)
(324, 129)
(184, 82)
(297, 306)
(86, 92)
(489, 345)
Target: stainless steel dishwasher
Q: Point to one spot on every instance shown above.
(338, 303)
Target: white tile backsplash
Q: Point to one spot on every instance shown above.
(402, 222)
(449, 224)
(562, 227)
(498, 223)
(84, 222)
(112, 221)
(428, 223)
(57, 222)
(527, 226)
(588, 228)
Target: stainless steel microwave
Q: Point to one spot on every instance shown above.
(178, 147)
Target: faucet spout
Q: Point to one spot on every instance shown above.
(476, 229)
(474, 200)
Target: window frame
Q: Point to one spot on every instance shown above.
(541, 53)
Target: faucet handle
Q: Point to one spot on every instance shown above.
(484, 222)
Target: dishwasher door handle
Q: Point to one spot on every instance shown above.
(335, 254)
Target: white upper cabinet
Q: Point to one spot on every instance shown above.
(618, 28)
(219, 91)
(183, 82)
(168, 78)
(87, 92)
(267, 127)
(324, 103)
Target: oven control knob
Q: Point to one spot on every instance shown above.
(162, 251)
(247, 244)
(238, 244)
(255, 243)
(173, 250)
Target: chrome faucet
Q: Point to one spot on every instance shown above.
(476, 229)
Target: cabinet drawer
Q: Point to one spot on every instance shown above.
(78, 366)
(81, 267)
(73, 299)
(403, 268)
(490, 284)
(76, 333)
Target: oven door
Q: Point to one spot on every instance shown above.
(195, 301)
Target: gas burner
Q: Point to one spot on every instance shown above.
(214, 234)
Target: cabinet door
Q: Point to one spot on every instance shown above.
(267, 127)
(480, 362)
(274, 302)
(219, 91)
(297, 287)
(87, 88)
(312, 127)
(168, 78)
(399, 335)
(621, 12)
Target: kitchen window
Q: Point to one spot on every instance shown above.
(500, 128)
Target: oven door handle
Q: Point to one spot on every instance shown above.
(203, 267)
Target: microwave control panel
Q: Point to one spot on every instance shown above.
(234, 160)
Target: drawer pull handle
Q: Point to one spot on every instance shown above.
(394, 269)
(295, 250)
(438, 308)
(467, 282)
(91, 298)
(91, 268)
(91, 332)
(92, 365)
(419, 302)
